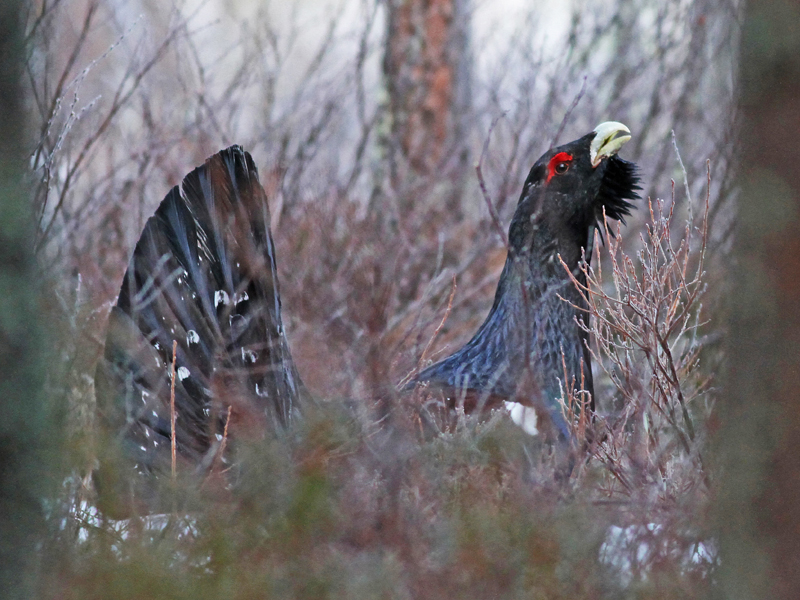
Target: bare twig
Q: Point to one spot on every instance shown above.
(439, 328)
(172, 414)
(489, 204)
(568, 113)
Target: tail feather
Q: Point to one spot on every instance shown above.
(203, 275)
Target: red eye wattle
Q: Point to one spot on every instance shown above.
(558, 165)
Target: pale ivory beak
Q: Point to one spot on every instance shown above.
(606, 142)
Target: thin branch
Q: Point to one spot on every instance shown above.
(489, 204)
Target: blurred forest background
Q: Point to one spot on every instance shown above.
(367, 120)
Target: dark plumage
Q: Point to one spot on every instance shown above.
(203, 275)
(517, 353)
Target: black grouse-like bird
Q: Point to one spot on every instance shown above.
(530, 348)
(195, 341)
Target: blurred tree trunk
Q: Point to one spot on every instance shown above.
(759, 508)
(427, 71)
(21, 369)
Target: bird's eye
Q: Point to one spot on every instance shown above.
(558, 165)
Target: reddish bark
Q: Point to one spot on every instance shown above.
(423, 63)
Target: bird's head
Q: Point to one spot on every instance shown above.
(570, 186)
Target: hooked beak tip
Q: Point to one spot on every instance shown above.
(609, 138)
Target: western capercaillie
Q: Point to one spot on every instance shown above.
(202, 281)
(531, 347)
(195, 341)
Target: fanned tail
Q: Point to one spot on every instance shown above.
(203, 275)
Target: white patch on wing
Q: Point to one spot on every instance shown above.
(183, 373)
(524, 416)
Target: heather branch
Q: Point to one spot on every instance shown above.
(649, 312)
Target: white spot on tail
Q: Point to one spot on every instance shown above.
(221, 297)
(192, 337)
(183, 373)
(524, 416)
